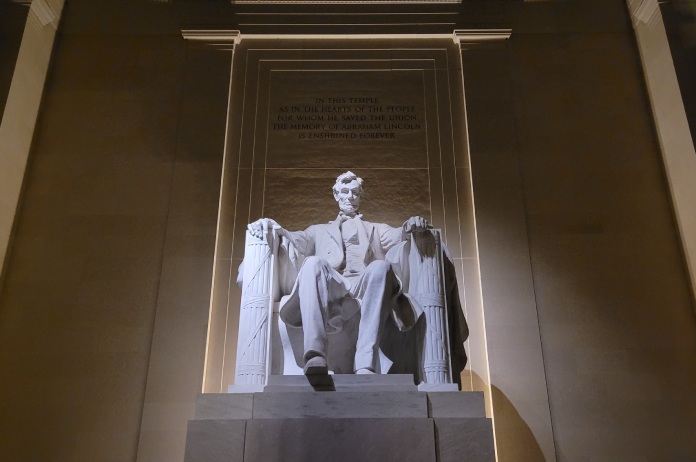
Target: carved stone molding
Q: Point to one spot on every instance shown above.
(230, 38)
(643, 11)
(477, 36)
(223, 39)
(43, 11)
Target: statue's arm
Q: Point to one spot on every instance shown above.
(301, 241)
(293, 247)
(390, 237)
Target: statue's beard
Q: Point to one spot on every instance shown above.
(347, 207)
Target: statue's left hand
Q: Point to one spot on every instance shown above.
(262, 225)
(415, 224)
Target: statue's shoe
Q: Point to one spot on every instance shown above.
(317, 373)
(316, 366)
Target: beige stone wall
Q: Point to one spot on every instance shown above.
(104, 309)
(583, 276)
(103, 314)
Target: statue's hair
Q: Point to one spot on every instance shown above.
(345, 178)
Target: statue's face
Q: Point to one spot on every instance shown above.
(348, 197)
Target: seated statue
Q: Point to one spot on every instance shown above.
(368, 263)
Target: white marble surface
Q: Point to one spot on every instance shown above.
(344, 382)
(456, 404)
(469, 440)
(215, 441)
(224, 405)
(330, 405)
(438, 387)
(340, 440)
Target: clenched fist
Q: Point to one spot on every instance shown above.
(415, 224)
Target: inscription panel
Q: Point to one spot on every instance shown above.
(371, 118)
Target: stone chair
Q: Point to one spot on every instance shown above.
(267, 346)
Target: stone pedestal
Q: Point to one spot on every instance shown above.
(366, 418)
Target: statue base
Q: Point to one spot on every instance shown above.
(368, 418)
(341, 382)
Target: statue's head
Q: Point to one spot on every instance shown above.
(347, 191)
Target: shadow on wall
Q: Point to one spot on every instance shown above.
(519, 445)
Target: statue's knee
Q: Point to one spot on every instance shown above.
(314, 265)
(378, 269)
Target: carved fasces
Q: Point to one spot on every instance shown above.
(258, 287)
(428, 287)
